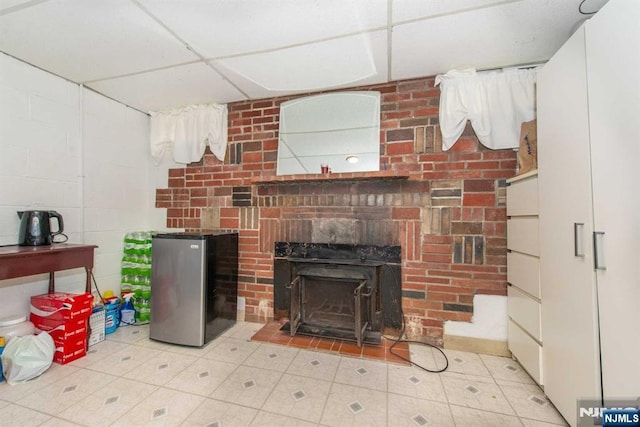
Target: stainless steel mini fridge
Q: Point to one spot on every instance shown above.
(194, 280)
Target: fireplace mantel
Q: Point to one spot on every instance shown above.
(350, 176)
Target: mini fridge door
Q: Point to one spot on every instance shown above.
(178, 300)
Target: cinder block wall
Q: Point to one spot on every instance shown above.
(446, 209)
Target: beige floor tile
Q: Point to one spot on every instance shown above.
(272, 357)
(129, 334)
(530, 402)
(243, 330)
(202, 377)
(321, 366)
(185, 349)
(355, 406)
(477, 418)
(59, 422)
(15, 415)
(535, 423)
(298, 397)
(232, 350)
(362, 373)
(478, 395)
(466, 363)
(162, 368)
(412, 412)
(221, 414)
(108, 404)
(13, 393)
(247, 386)
(99, 352)
(267, 419)
(124, 361)
(414, 382)
(163, 407)
(56, 397)
(506, 368)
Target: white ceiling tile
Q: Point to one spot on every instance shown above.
(169, 88)
(10, 6)
(222, 28)
(88, 40)
(350, 61)
(406, 10)
(515, 33)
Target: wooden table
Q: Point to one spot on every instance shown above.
(20, 261)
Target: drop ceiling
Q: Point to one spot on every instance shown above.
(159, 54)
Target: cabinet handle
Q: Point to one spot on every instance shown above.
(598, 250)
(578, 247)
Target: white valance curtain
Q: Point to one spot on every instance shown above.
(186, 131)
(496, 103)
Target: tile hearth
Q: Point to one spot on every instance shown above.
(271, 333)
(130, 380)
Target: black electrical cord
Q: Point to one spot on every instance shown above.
(399, 340)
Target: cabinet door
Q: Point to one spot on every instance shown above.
(568, 287)
(613, 64)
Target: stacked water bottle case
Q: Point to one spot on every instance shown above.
(136, 273)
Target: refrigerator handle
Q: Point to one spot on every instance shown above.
(578, 246)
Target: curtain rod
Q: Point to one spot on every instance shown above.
(511, 67)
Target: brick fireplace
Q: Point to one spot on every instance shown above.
(446, 210)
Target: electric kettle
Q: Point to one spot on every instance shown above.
(35, 229)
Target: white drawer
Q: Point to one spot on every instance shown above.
(522, 235)
(525, 311)
(522, 197)
(527, 351)
(523, 271)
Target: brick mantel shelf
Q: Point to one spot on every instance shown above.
(349, 176)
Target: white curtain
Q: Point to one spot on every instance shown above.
(185, 132)
(495, 102)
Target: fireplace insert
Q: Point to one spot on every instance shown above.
(337, 296)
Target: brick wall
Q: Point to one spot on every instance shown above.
(446, 209)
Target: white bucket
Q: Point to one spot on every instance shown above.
(15, 326)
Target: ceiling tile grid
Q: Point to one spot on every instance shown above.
(161, 54)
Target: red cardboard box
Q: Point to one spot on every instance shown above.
(65, 317)
(60, 330)
(60, 306)
(63, 358)
(68, 347)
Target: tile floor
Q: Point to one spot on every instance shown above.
(129, 380)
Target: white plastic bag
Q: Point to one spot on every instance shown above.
(27, 357)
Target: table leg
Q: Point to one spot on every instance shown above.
(52, 283)
(88, 285)
(88, 290)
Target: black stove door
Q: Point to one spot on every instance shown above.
(296, 304)
(362, 310)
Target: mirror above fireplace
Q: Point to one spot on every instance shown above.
(340, 131)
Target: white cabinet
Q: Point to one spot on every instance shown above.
(589, 212)
(523, 295)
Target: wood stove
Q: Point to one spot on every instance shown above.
(347, 292)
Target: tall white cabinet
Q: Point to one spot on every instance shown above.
(589, 211)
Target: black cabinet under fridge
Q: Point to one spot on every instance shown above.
(195, 286)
